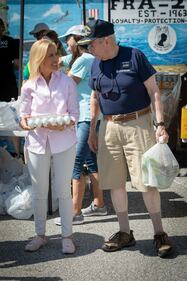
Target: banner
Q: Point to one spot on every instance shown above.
(157, 27)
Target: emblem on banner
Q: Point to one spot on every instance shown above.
(162, 39)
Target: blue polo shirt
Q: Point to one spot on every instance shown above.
(120, 81)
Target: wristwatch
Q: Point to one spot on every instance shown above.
(159, 124)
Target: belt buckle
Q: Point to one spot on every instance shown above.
(115, 117)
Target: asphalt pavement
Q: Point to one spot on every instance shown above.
(138, 263)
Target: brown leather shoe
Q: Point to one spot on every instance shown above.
(118, 241)
(162, 244)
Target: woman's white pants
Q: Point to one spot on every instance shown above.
(39, 168)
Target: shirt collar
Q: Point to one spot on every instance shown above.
(54, 74)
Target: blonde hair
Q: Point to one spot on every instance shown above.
(37, 55)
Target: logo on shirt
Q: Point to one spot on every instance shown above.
(124, 67)
(3, 44)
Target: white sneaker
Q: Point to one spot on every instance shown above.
(36, 243)
(68, 247)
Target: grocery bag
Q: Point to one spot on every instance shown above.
(9, 119)
(19, 203)
(159, 166)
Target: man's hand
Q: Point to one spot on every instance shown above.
(161, 134)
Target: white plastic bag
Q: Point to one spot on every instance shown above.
(9, 118)
(159, 166)
(19, 203)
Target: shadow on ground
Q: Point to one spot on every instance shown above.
(12, 252)
(13, 255)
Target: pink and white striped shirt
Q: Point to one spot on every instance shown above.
(58, 97)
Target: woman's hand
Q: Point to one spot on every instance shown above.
(23, 123)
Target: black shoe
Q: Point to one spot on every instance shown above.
(118, 241)
(162, 244)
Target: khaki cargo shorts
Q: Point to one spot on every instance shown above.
(122, 144)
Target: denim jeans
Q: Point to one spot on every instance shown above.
(83, 153)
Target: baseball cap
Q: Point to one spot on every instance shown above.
(75, 30)
(39, 27)
(97, 29)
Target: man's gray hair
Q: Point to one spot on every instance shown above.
(112, 36)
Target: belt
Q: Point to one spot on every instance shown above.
(128, 116)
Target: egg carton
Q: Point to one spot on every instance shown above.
(43, 121)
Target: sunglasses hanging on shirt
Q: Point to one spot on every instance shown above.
(111, 94)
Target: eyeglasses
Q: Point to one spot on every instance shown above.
(110, 95)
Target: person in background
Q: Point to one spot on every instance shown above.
(9, 62)
(124, 87)
(78, 65)
(52, 35)
(49, 91)
(39, 30)
(9, 59)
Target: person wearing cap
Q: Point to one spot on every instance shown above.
(79, 64)
(39, 30)
(53, 36)
(124, 88)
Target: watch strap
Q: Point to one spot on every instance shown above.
(159, 124)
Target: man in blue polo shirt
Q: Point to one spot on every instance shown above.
(124, 87)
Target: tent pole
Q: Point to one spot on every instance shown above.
(84, 11)
(109, 15)
(21, 45)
